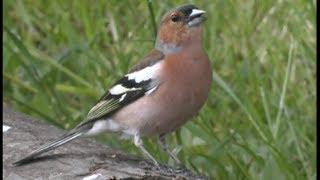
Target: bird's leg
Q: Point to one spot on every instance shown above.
(164, 146)
(138, 142)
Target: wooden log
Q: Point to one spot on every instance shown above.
(83, 158)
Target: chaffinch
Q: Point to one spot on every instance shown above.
(159, 94)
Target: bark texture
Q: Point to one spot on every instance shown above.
(83, 158)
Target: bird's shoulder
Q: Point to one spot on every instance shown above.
(150, 59)
(130, 87)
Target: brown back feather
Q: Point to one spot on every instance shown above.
(153, 57)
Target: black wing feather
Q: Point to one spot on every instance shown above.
(110, 103)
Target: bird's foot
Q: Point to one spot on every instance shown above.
(146, 165)
(180, 168)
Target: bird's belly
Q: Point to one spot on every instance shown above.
(161, 112)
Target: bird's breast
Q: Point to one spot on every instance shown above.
(185, 83)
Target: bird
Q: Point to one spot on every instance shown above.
(159, 94)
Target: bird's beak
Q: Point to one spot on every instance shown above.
(196, 17)
(196, 12)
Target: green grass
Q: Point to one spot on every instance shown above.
(259, 121)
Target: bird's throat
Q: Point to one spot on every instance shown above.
(167, 48)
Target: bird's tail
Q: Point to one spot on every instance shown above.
(51, 145)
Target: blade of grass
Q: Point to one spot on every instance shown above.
(298, 149)
(44, 116)
(215, 162)
(74, 90)
(278, 156)
(225, 87)
(153, 20)
(31, 71)
(45, 59)
(19, 83)
(266, 107)
(284, 90)
(51, 96)
(239, 166)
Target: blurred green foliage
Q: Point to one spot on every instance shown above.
(259, 121)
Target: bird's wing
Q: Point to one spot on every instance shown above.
(137, 83)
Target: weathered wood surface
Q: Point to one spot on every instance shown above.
(83, 158)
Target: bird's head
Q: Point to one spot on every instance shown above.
(179, 28)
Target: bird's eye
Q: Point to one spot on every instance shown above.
(175, 18)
